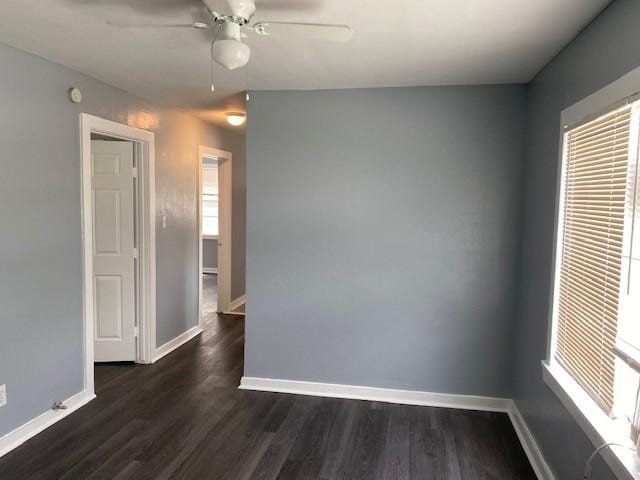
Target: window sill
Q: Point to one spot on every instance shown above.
(599, 428)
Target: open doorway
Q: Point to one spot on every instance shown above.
(214, 218)
(118, 243)
(210, 218)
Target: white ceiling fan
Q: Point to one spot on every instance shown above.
(228, 48)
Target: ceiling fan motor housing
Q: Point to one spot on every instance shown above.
(230, 31)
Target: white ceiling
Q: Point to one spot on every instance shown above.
(396, 43)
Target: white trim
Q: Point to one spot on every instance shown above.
(529, 444)
(595, 423)
(405, 397)
(33, 427)
(177, 342)
(209, 269)
(225, 189)
(145, 147)
(618, 93)
(558, 228)
(238, 302)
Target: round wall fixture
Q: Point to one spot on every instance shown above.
(236, 118)
(75, 95)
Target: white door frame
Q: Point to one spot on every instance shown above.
(224, 221)
(144, 146)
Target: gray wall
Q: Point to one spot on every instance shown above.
(40, 244)
(239, 212)
(382, 236)
(210, 253)
(603, 52)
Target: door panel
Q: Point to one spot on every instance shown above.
(106, 225)
(112, 186)
(108, 306)
(105, 164)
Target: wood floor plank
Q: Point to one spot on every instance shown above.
(339, 437)
(398, 445)
(367, 440)
(274, 458)
(129, 472)
(311, 444)
(108, 450)
(427, 448)
(184, 418)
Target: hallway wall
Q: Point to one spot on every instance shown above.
(41, 263)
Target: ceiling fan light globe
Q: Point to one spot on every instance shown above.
(231, 54)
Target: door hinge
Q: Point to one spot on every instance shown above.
(135, 252)
(135, 172)
(135, 331)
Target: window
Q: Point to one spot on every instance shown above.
(596, 316)
(210, 198)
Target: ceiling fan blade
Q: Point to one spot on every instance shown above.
(210, 4)
(242, 8)
(288, 5)
(311, 31)
(196, 25)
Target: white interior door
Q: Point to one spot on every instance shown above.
(112, 187)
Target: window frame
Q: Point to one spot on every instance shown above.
(627, 347)
(596, 424)
(209, 236)
(633, 109)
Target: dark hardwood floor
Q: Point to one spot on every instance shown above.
(210, 293)
(184, 418)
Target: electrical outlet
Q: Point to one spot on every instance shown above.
(3, 395)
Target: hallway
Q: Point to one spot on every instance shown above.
(209, 294)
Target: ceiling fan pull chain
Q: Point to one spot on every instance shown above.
(246, 78)
(213, 88)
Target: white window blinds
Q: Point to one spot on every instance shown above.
(592, 212)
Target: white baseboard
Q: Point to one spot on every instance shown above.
(411, 397)
(529, 444)
(407, 397)
(30, 429)
(238, 302)
(180, 340)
